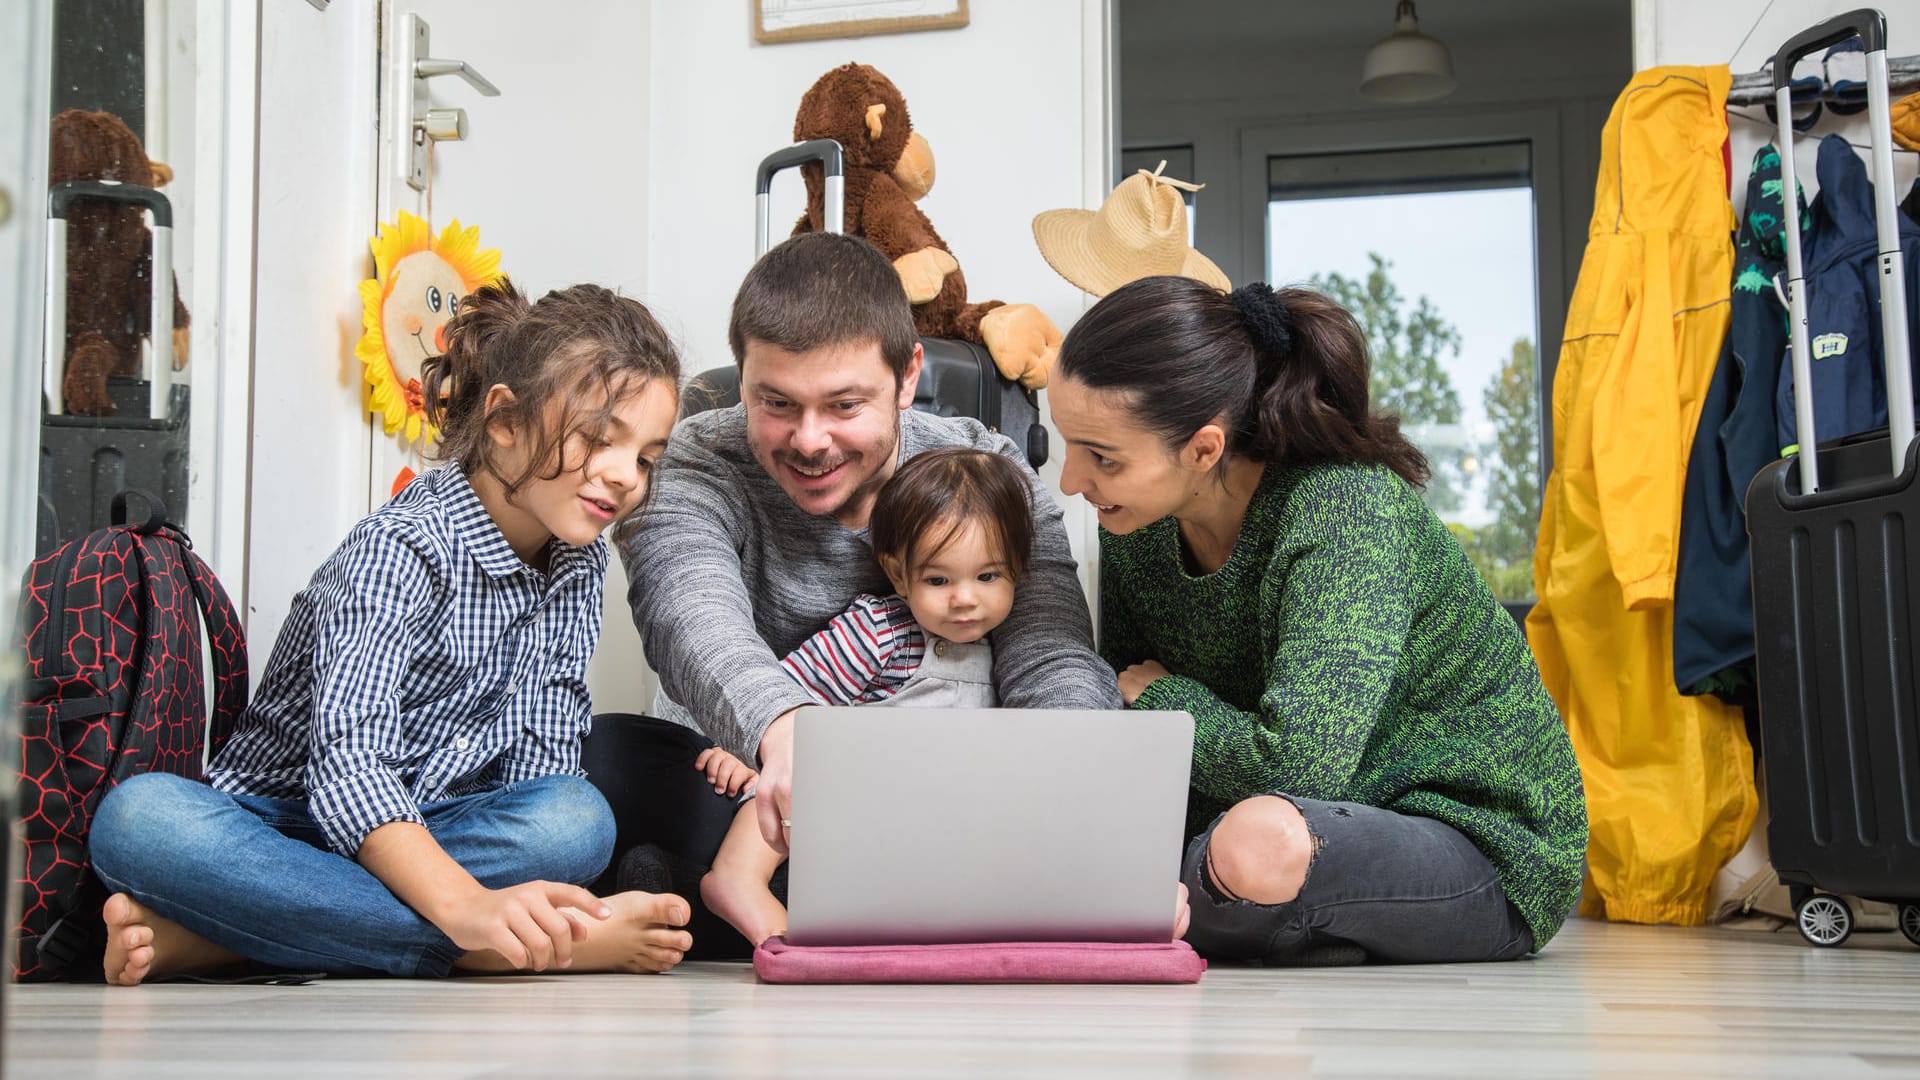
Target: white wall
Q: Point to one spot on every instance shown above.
(1001, 102)
(1712, 32)
(621, 150)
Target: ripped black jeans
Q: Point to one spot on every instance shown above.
(1381, 886)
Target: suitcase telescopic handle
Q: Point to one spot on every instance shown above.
(832, 161)
(60, 199)
(1870, 26)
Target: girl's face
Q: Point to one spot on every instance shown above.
(609, 472)
(960, 592)
(1126, 472)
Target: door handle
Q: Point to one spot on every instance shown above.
(428, 68)
(426, 124)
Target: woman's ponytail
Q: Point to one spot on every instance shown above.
(1314, 402)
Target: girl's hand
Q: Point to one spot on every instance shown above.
(727, 774)
(1134, 680)
(525, 924)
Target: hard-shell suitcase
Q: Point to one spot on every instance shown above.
(1836, 547)
(87, 460)
(957, 378)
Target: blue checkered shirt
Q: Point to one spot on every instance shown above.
(423, 662)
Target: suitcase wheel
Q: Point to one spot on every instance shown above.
(1910, 922)
(1824, 920)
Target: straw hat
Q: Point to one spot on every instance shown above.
(1140, 231)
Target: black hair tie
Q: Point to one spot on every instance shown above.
(1265, 316)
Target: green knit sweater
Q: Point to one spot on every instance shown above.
(1348, 651)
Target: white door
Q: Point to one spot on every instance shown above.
(551, 172)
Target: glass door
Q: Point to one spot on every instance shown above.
(25, 44)
(1433, 250)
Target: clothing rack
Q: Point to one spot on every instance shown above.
(1756, 87)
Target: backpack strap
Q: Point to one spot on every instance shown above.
(229, 644)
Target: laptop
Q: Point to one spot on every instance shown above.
(945, 826)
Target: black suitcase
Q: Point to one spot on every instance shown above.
(87, 460)
(1836, 541)
(957, 377)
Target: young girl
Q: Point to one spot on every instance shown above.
(403, 795)
(952, 530)
(1378, 771)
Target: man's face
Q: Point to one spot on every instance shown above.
(825, 423)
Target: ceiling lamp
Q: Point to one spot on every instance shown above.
(1408, 65)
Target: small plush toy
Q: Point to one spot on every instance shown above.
(109, 259)
(416, 289)
(888, 167)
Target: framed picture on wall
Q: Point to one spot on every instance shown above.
(816, 20)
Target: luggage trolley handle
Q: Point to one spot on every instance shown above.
(825, 151)
(60, 197)
(1871, 27)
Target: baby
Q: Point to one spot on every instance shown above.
(952, 530)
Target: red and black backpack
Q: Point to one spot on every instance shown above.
(113, 687)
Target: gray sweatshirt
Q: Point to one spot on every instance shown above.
(727, 575)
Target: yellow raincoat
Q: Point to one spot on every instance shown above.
(1669, 779)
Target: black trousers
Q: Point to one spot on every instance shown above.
(644, 766)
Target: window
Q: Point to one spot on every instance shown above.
(1433, 250)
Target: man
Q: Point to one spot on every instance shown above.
(756, 534)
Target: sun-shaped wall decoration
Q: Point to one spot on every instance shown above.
(418, 283)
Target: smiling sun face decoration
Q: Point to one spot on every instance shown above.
(418, 284)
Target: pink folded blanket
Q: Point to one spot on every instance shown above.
(1002, 962)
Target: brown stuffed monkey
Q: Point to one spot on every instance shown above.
(888, 167)
(109, 259)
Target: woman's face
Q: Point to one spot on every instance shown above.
(1127, 472)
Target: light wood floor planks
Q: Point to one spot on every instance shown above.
(1604, 1000)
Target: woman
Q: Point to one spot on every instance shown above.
(1377, 769)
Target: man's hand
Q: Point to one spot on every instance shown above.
(774, 795)
(523, 923)
(727, 774)
(1135, 680)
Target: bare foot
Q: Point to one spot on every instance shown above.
(1182, 915)
(640, 937)
(740, 896)
(142, 945)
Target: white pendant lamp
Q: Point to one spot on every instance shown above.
(1408, 65)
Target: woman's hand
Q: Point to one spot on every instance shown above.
(1135, 680)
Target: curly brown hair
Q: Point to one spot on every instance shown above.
(587, 347)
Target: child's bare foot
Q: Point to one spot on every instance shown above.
(641, 936)
(142, 945)
(740, 896)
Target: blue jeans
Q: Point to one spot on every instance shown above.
(255, 875)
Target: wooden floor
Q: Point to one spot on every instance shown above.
(1604, 1000)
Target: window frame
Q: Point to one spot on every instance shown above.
(1539, 127)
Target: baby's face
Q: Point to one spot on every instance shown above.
(962, 591)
